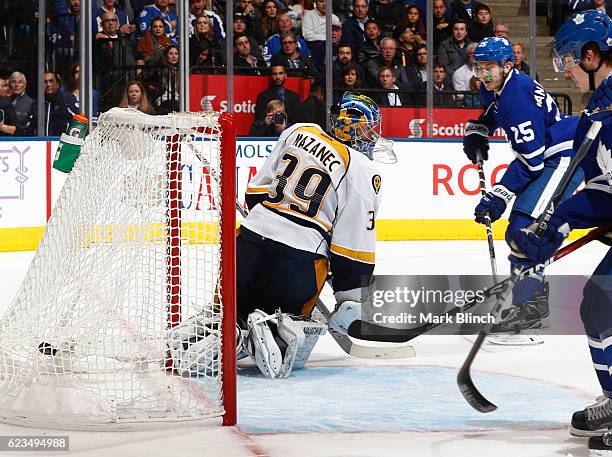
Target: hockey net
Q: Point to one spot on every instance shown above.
(142, 238)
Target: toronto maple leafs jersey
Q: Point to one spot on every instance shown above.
(536, 129)
(592, 206)
(318, 195)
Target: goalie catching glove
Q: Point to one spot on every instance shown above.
(280, 342)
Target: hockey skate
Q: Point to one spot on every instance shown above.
(594, 420)
(601, 446)
(528, 316)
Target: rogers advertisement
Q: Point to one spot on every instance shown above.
(209, 93)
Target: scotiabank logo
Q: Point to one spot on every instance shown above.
(209, 104)
(416, 128)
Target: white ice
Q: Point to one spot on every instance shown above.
(562, 362)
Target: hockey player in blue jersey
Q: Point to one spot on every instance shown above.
(541, 139)
(583, 47)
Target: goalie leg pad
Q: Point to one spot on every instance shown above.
(278, 343)
(265, 347)
(306, 333)
(194, 348)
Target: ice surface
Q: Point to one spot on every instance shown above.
(341, 406)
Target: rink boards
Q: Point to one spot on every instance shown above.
(429, 194)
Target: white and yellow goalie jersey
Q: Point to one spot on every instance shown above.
(318, 195)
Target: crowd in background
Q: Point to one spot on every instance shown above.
(379, 48)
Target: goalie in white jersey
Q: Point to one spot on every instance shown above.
(313, 208)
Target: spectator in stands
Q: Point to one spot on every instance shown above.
(412, 18)
(441, 82)
(112, 51)
(336, 36)
(353, 27)
(277, 91)
(441, 22)
(350, 80)
(274, 121)
(501, 29)
(313, 108)
(161, 10)
(245, 63)
(73, 85)
(135, 97)
(290, 58)
(8, 118)
(108, 6)
(344, 57)
(296, 8)
(388, 57)
(273, 44)
(519, 55)
(62, 33)
(246, 8)
(313, 30)
(482, 25)
(386, 80)
(342, 8)
(452, 51)
(370, 48)
(464, 9)
(21, 101)
(56, 111)
(388, 13)
(266, 23)
(204, 62)
(600, 5)
(199, 8)
(462, 78)
(168, 99)
(127, 6)
(204, 37)
(417, 77)
(152, 44)
(407, 42)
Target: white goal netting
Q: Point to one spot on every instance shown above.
(131, 252)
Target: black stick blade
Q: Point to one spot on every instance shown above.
(472, 395)
(464, 380)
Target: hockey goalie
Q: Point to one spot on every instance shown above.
(313, 207)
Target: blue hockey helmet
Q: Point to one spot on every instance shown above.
(580, 29)
(356, 121)
(494, 49)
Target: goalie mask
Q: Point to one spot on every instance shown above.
(356, 122)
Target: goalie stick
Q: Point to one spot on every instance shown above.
(393, 335)
(464, 378)
(344, 341)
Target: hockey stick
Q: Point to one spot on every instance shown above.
(393, 335)
(487, 217)
(464, 378)
(344, 341)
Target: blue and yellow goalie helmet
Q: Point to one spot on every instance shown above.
(356, 121)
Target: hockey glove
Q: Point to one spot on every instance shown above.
(602, 99)
(494, 203)
(528, 249)
(476, 139)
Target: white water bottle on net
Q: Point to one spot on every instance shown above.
(126, 316)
